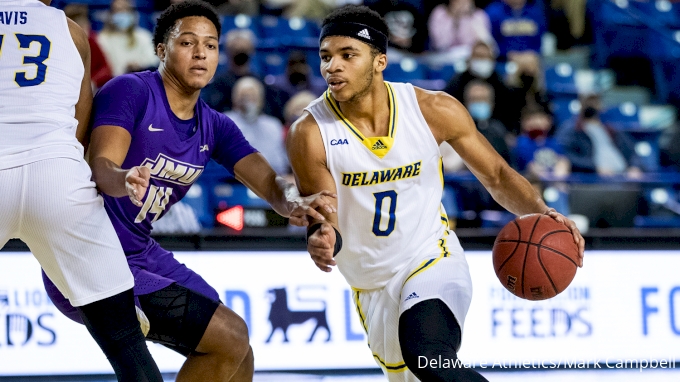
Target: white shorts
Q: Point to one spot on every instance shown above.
(442, 276)
(52, 206)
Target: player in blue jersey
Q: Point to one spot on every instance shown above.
(152, 137)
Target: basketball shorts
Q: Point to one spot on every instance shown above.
(52, 206)
(443, 276)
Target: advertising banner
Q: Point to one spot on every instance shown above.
(622, 310)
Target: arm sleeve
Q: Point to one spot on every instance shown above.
(230, 144)
(121, 102)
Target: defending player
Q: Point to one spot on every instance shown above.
(48, 200)
(377, 144)
(155, 124)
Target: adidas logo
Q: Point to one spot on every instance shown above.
(412, 295)
(364, 34)
(378, 145)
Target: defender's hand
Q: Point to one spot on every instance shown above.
(304, 208)
(136, 183)
(320, 246)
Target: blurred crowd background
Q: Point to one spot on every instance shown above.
(580, 96)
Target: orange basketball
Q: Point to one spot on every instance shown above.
(535, 257)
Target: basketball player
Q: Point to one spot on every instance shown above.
(377, 144)
(48, 200)
(152, 137)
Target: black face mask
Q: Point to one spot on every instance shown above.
(527, 81)
(590, 112)
(297, 78)
(241, 59)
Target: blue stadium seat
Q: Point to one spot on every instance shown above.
(441, 72)
(623, 116)
(560, 80)
(405, 71)
(197, 199)
(271, 62)
(564, 109)
(294, 32)
(240, 22)
(229, 194)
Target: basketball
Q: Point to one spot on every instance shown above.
(535, 257)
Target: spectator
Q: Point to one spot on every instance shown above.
(517, 25)
(593, 147)
(537, 153)
(526, 83)
(239, 47)
(263, 131)
(458, 26)
(294, 108)
(308, 9)
(100, 72)
(127, 47)
(298, 77)
(407, 25)
(481, 67)
(236, 7)
(479, 100)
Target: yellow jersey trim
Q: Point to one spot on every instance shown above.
(379, 146)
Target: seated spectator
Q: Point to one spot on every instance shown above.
(127, 47)
(536, 153)
(294, 108)
(481, 67)
(517, 25)
(239, 46)
(263, 131)
(592, 147)
(307, 9)
(298, 77)
(479, 100)
(100, 71)
(526, 84)
(407, 26)
(458, 26)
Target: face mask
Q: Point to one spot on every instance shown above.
(482, 68)
(297, 78)
(537, 133)
(241, 59)
(590, 112)
(480, 111)
(250, 111)
(123, 20)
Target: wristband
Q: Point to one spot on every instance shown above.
(338, 238)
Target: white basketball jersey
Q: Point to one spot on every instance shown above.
(40, 76)
(389, 190)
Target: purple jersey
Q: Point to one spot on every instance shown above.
(175, 151)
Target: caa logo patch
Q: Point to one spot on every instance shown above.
(336, 142)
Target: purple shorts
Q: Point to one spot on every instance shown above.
(154, 269)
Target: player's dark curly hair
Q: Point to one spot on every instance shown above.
(358, 14)
(188, 8)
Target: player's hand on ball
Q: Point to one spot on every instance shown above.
(578, 239)
(303, 208)
(136, 183)
(320, 246)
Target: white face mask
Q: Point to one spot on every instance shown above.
(251, 111)
(482, 68)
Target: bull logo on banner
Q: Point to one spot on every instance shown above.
(282, 317)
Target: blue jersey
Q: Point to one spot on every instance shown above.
(174, 150)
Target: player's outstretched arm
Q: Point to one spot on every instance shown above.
(110, 145)
(257, 174)
(450, 122)
(307, 157)
(84, 104)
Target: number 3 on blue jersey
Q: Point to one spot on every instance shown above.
(377, 218)
(39, 60)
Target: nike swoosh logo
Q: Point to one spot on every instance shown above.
(151, 128)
